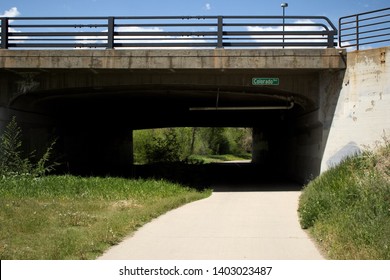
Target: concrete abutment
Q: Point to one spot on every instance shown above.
(362, 113)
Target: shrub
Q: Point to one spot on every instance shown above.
(164, 148)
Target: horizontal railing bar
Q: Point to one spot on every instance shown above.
(59, 39)
(276, 33)
(265, 44)
(379, 41)
(57, 34)
(370, 12)
(278, 24)
(375, 30)
(275, 38)
(166, 33)
(374, 36)
(57, 25)
(361, 38)
(64, 45)
(163, 45)
(374, 24)
(167, 25)
(367, 43)
(166, 39)
(376, 17)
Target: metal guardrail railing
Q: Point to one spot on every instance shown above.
(167, 32)
(370, 28)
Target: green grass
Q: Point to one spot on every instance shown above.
(347, 208)
(67, 217)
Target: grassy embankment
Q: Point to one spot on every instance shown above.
(67, 217)
(347, 208)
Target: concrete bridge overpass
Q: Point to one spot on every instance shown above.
(93, 99)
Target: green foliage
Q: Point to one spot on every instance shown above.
(163, 148)
(180, 144)
(12, 157)
(240, 140)
(347, 208)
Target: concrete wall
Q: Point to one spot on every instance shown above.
(362, 115)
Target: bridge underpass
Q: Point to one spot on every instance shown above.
(90, 81)
(92, 108)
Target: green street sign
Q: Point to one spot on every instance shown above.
(265, 81)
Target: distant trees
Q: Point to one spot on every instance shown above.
(178, 144)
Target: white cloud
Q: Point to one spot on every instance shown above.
(143, 39)
(301, 25)
(207, 7)
(13, 12)
(124, 38)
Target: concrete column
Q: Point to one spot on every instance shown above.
(259, 146)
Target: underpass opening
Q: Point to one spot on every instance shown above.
(95, 129)
(95, 120)
(259, 160)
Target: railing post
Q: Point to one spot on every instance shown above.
(220, 32)
(357, 32)
(110, 37)
(331, 39)
(4, 33)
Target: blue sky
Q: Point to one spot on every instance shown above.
(333, 9)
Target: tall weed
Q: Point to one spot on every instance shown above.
(15, 162)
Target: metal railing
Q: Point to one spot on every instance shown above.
(167, 32)
(370, 28)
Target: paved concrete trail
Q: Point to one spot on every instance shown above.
(255, 223)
